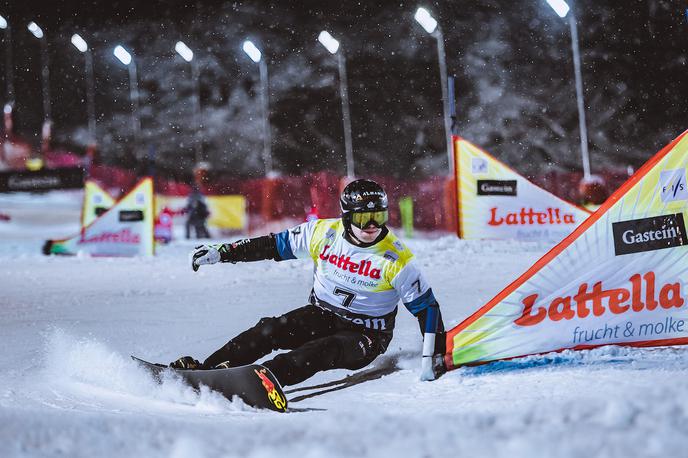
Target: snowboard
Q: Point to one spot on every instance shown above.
(253, 383)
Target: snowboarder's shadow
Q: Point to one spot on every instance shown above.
(384, 365)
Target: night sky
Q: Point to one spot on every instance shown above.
(634, 70)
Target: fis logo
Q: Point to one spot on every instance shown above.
(649, 234)
(673, 185)
(478, 165)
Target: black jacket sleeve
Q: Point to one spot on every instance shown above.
(440, 334)
(246, 250)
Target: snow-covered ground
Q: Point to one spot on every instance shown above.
(68, 387)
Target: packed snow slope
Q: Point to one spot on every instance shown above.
(68, 387)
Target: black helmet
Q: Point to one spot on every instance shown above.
(363, 196)
(367, 200)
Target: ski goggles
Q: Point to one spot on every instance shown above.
(364, 219)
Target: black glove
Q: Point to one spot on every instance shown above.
(439, 368)
(186, 362)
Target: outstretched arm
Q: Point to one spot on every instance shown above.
(418, 298)
(290, 244)
(246, 250)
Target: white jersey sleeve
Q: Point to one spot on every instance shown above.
(295, 242)
(414, 291)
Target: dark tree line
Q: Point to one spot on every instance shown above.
(512, 62)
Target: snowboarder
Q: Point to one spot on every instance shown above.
(361, 272)
(197, 213)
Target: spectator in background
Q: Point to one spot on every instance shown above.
(312, 214)
(164, 225)
(197, 213)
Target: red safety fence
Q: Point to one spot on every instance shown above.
(291, 197)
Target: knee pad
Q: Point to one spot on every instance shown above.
(361, 350)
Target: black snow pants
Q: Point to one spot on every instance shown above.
(318, 339)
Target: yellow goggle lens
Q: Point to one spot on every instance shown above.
(364, 219)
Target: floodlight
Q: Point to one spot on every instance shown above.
(328, 41)
(425, 20)
(251, 50)
(79, 43)
(122, 55)
(184, 51)
(35, 29)
(559, 6)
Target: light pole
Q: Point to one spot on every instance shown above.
(9, 81)
(255, 55)
(45, 74)
(562, 9)
(187, 54)
(80, 44)
(9, 70)
(431, 26)
(332, 45)
(125, 58)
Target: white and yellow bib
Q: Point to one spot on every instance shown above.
(361, 284)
